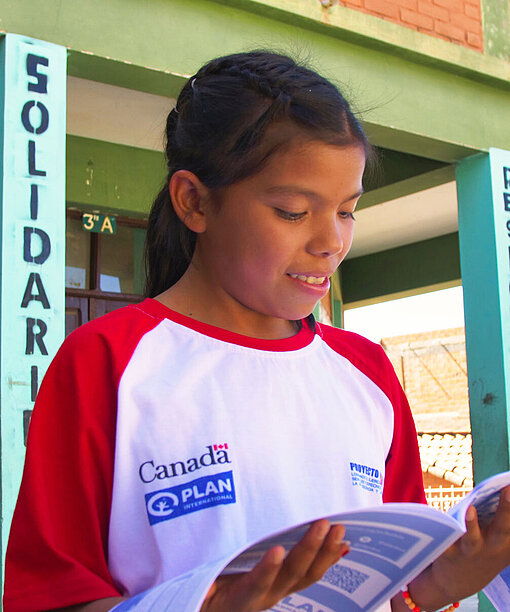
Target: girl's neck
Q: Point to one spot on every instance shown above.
(194, 297)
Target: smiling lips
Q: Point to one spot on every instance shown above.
(310, 280)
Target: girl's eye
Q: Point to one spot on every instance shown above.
(347, 215)
(289, 216)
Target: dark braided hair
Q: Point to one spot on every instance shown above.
(217, 132)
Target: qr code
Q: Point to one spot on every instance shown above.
(345, 578)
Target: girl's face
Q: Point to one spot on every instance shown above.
(272, 243)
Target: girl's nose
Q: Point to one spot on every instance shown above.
(328, 239)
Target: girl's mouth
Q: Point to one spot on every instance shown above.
(317, 281)
(311, 280)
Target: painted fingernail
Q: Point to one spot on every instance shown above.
(346, 552)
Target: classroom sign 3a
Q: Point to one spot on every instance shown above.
(98, 224)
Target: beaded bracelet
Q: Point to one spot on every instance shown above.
(414, 608)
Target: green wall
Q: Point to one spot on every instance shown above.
(403, 269)
(111, 177)
(443, 108)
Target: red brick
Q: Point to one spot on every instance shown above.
(449, 30)
(451, 5)
(465, 23)
(474, 40)
(473, 11)
(382, 7)
(355, 3)
(416, 19)
(437, 12)
(408, 4)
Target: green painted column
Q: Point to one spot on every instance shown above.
(483, 187)
(337, 302)
(32, 199)
(496, 25)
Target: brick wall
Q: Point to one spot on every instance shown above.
(432, 369)
(457, 21)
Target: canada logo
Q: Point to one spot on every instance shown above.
(150, 471)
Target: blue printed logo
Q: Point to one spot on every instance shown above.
(198, 494)
(368, 478)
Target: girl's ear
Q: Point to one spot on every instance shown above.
(189, 197)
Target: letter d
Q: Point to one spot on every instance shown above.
(45, 247)
(210, 454)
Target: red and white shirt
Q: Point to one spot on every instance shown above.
(159, 443)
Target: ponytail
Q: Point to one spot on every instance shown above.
(169, 246)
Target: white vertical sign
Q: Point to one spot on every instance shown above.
(32, 128)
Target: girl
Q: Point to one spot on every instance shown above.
(221, 375)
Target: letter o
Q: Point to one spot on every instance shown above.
(25, 117)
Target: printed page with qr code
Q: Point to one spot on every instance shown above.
(390, 545)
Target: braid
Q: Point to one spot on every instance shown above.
(256, 77)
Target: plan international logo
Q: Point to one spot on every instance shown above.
(198, 494)
(368, 478)
(194, 495)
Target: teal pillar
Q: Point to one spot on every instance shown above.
(32, 214)
(483, 188)
(337, 302)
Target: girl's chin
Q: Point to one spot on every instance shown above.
(299, 315)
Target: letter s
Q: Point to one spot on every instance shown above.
(33, 62)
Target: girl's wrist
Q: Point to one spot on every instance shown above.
(411, 604)
(427, 594)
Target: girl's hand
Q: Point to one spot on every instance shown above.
(469, 564)
(276, 576)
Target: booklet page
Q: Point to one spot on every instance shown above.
(389, 544)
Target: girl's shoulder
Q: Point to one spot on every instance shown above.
(367, 356)
(118, 325)
(109, 340)
(351, 344)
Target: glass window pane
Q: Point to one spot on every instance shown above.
(122, 261)
(77, 255)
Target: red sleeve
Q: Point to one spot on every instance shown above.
(57, 551)
(404, 478)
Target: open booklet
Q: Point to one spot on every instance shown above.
(390, 545)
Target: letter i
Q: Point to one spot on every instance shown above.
(34, 382)
(34, 201)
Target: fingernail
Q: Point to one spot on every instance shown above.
(278, 556)
(470, 514)
(346, 552)
(322, 531)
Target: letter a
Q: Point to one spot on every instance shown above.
(107, 228)
(40, 296)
